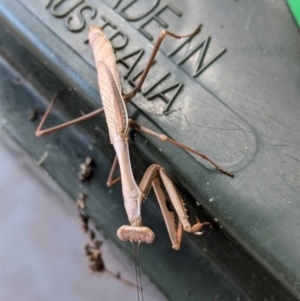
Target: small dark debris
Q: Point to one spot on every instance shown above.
(87, 249)
(95, 257)
(32, 115)
(86, 170)
(85, 227)
(84, 221)
(88, 252)
(97, 243)
(17, 81)
(93, 250)
(84, 217)
(92, 235)
(81, 201)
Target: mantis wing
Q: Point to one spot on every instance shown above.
(109, 83)
(103, 51)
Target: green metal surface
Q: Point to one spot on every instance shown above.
(242, 111)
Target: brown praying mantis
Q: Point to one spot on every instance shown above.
(118, 126)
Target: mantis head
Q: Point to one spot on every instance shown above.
(136, 234)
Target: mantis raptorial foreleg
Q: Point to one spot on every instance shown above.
(152, 178)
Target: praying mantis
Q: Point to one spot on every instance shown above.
(114, 106)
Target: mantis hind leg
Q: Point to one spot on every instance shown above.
(165, 138)
(39, 132)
